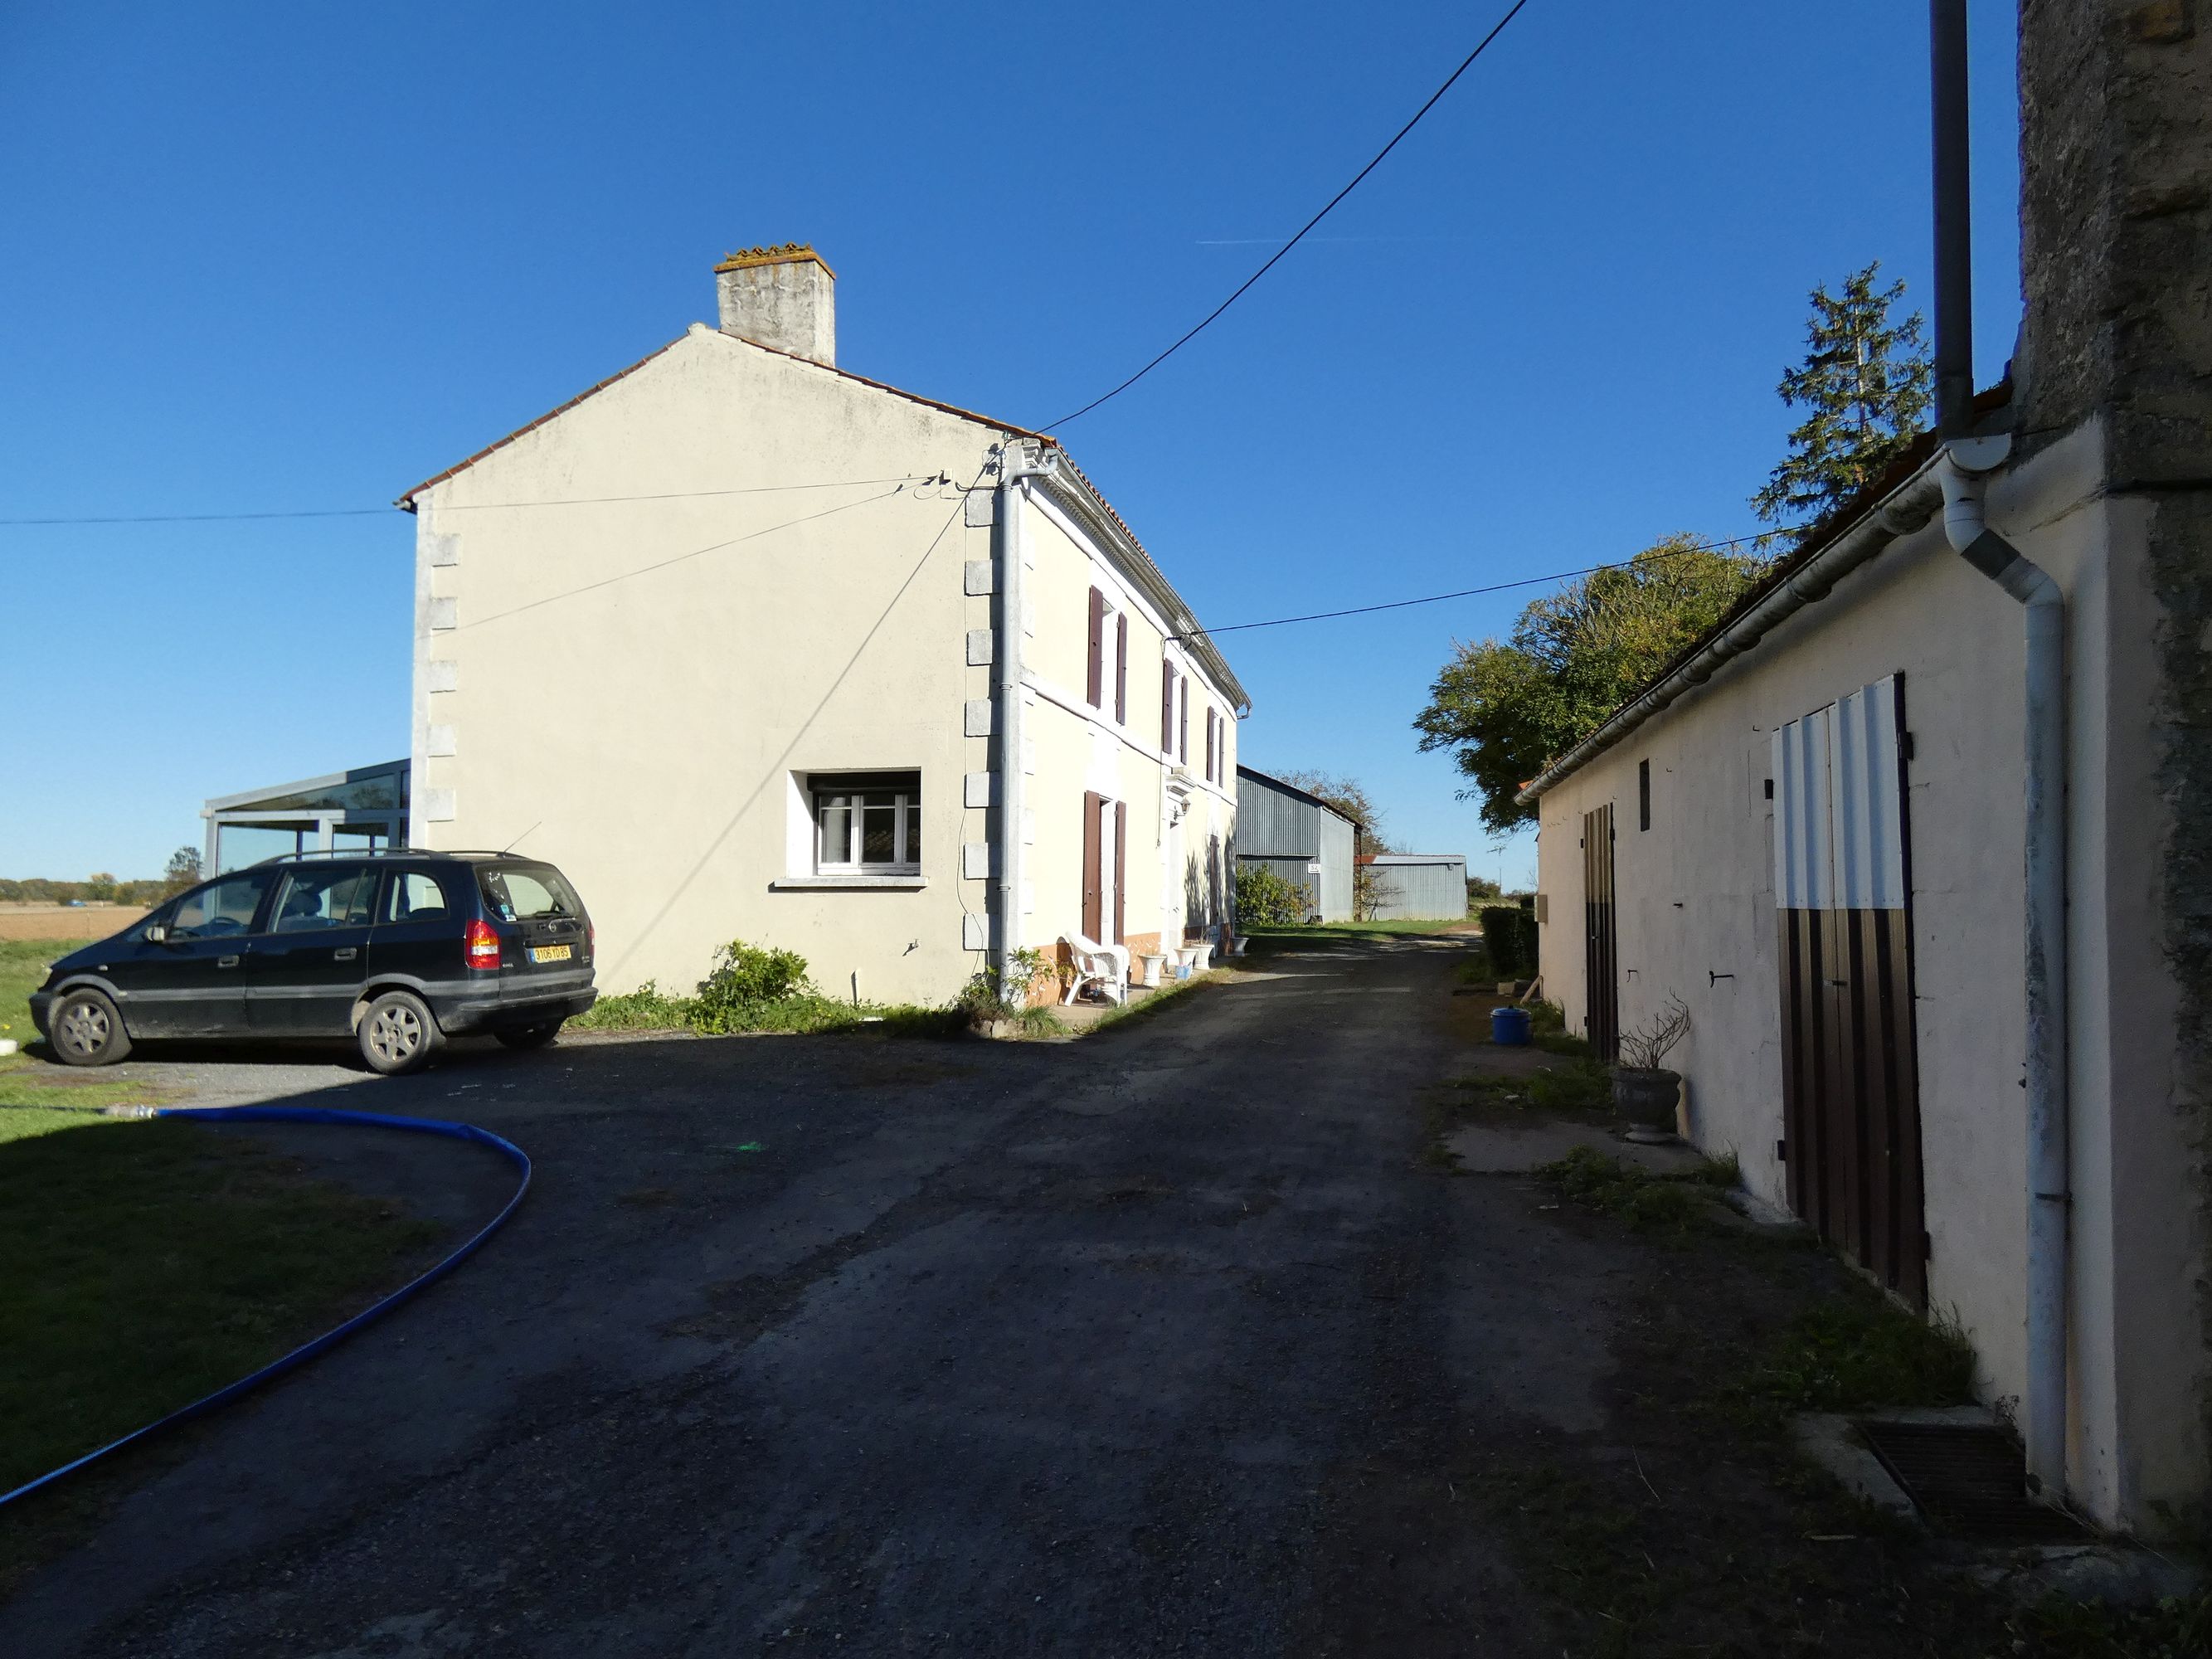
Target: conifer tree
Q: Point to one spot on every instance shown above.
(1866, 386)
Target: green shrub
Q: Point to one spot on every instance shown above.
(745, 977)
(1265, 899)
(1509, 935)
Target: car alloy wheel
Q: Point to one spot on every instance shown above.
(84, 1027)
(395, 1033)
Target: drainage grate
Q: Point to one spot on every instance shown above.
(1969, 1481)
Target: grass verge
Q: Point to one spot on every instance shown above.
(1672, 1205)
(1130, 1012)
(149, 1263)
(1548, 1029)
(1341, 932)
(1692, 1525)
(651, 1009)
(22, 971)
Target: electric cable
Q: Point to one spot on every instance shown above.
(663, 565)
(1469, 592)
(1465, 65)
(471, 506)
(330, 1339)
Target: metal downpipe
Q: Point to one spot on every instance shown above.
(1016, 468)
(1966, 461)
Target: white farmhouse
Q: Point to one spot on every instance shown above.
(752, 646)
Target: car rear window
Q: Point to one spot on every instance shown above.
(530, 892)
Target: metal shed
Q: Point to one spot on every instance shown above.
(1298, 835)
(1419, 886)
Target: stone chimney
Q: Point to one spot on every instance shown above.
(783, 297)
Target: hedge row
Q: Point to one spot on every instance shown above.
(1509, 933)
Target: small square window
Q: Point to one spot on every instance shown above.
(867, 825)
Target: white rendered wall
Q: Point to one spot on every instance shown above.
(1696, 899)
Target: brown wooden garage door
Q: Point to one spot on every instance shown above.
(1842, 903)
(1601, 956)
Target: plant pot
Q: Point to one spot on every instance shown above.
(1647, 1100)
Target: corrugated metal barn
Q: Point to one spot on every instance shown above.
(1419, 886)
(1301, 837)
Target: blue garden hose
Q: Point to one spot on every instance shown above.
(330, 1339)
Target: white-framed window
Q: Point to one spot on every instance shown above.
(867, 823)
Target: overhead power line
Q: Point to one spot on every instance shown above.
(1470, 593)
(473, 507)
(1465, 65)
(697, 552)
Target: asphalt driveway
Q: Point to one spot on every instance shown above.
(1139, 1345)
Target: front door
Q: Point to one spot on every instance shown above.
(312, 960)
(1601, 957)
(193, 982)
(1842, 906)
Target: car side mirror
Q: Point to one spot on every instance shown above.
(157, 934)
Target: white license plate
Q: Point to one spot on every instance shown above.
(549, 952)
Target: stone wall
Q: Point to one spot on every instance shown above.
(2117, 274)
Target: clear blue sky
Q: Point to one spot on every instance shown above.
(284, 257)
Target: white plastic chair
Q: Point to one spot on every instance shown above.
(1106, 966)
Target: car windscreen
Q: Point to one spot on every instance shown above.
(527, 892)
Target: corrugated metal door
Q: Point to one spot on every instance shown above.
(1600, 959)
(1850, 1091)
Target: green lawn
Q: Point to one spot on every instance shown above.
(29, 1083)
(22, 971)
(147, 1264)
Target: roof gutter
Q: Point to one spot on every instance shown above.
(1898, 514)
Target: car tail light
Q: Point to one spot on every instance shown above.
(480, 943)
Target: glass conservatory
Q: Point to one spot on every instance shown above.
(359, 809)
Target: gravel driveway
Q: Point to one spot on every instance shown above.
(1130, 1346)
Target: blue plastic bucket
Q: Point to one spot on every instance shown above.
(1509, 1026)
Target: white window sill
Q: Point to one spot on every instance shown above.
(818, 884)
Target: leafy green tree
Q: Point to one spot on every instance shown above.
(1866, 387)
(1507, 709)
(1349, 796)
(183, 870)
(99, 886)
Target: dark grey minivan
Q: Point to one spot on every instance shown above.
(397, 949)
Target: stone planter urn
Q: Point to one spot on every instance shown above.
(1646, 1098)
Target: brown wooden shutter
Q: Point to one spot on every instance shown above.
(1121, 670)
(1167, 709)
(1092, 896)
(1209, 746)
(1183, 719)
(1120, 873)
(1096, 684)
